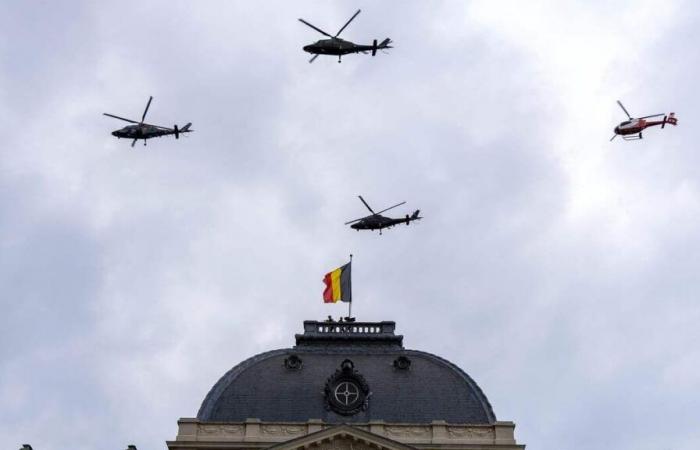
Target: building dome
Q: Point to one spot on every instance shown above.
(348, 372)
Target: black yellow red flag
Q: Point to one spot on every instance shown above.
(338, 285)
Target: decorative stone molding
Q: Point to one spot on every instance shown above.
(344, 444)
(220, 429)
(467, 432)
(256, 435)
(407, 431)
(283, 430)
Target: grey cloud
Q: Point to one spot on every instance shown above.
(554, 267)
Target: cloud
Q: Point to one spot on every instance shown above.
(557, 268)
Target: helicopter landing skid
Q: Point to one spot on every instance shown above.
(633, 137)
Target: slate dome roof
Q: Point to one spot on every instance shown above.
(386, 382)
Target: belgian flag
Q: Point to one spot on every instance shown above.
(338, 286)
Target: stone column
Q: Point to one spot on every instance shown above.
(252, 430)
(439, 434)
(505, 433)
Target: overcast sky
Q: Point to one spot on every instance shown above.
(558, 269)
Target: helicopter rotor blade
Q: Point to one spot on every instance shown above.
(313, 58)
(391, 207)
(159, 127)
(353, 221)
(623, 108)
(347, 23)
(314, 27)
(148, 105)
(614, 136)
(120, 118)
(653, 115)
(368, 207)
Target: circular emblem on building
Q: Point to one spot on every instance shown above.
(346, 391)
(402, 363)
(293, 362)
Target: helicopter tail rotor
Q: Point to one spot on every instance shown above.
(413, 216)
(385, 44)
(179, 131)
(672, 119)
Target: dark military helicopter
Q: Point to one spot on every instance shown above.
(337, 46)
(145, 131)
(376, 221)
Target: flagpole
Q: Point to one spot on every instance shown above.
(350, 302)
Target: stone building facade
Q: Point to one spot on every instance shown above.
(345, 386)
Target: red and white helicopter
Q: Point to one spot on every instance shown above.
(631, 129)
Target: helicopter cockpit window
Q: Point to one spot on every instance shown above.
(627, 122)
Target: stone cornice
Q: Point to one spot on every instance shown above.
(254, 434)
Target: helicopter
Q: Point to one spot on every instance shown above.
(376, 221)
(146, 131)
(337, 46)
(631, 130)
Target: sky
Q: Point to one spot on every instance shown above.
(555, 267)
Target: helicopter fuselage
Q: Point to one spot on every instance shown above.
(636, 126)
(379, 222)
(335, 46)
(376, 222)
(141, 131)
